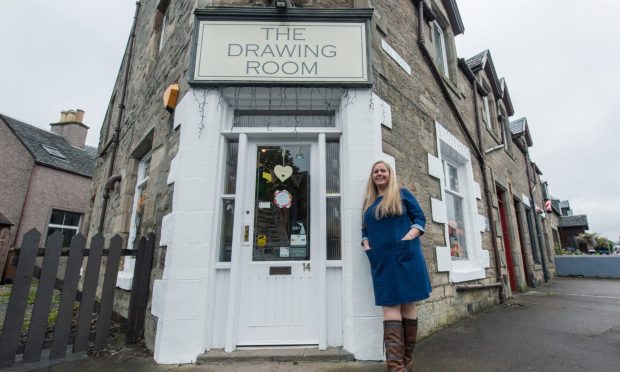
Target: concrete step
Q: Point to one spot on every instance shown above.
(243, 355)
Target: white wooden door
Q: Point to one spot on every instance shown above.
(279, 291)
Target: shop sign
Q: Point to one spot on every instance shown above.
(281, 52)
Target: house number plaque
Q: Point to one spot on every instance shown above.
(279, 270)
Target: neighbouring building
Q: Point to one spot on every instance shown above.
(570, 227)
(45, 179)
(252, 177)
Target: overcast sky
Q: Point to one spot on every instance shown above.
(559, 58)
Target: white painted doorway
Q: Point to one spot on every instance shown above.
(279, 291)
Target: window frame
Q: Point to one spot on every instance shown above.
(461, 195)
(440, 48)
(450, 148)
(125, 276)
(63, 226)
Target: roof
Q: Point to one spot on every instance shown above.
(555, 205)
(564, 204)
(476, 62)
(519, 127)
(506, 97)
(580, 220)
(484, 61)
(455, 16)
(4, 220)
(76, 160)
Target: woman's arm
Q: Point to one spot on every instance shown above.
(365, 242)
(413, 210)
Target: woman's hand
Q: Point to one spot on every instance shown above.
(366, 245)
(411, 234)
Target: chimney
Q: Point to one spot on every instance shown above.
(71, 127)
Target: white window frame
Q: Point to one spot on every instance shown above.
(164, 25)
(125, 276)
(451, 149)
(487, 112)
(461, 194)
(66, 227)
(442, 60)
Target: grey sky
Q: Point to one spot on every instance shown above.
(559, 58)
(560, 61)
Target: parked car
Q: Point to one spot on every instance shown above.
(617, 249)
(602, 250)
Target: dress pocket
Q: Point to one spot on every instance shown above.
(405, 254)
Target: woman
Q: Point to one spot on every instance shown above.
(392, 225)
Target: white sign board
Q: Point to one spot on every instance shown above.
(281, 52)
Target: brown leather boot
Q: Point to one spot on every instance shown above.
(410, 326)
(393, 339)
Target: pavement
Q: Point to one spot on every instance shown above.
(568, 324)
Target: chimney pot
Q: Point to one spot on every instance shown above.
(79, 115)
(71, 115)
(63, 116)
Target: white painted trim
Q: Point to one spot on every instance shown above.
(232, 323)
(395, 56)
(382, 111)
(435, 168)
(216, 232)
(439, 211)
(444, 261)
(477, 260)
(477, 192)
(526, 200)
(321, 255)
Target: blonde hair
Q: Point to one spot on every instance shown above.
(392, 204)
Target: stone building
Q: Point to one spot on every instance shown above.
(253, 177)
(46, 177)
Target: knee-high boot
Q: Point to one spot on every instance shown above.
(393, 338)
(410, 327)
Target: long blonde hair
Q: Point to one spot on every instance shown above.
(392, 204)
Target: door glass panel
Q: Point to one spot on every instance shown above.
(282, 204)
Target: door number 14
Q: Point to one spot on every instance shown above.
(306, 266)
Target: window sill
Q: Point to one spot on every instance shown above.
(492, 133)
(451, 85)
(464, 275)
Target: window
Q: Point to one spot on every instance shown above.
(441, 55)
(54, 152)
(486, 112)
(125, 276)
(228, 201)
(161, 22)
(139, 199)
(462, 254)
(455, 206)
(332, 166)
(68, 223)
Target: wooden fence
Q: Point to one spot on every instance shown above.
(90, 310)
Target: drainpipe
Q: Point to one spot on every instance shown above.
(488, 196)
(111, 180)
(475, 147)
(537, 224)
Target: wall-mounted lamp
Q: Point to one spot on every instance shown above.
(170, 97)
(281, 4)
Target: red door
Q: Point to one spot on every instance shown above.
(506, 237)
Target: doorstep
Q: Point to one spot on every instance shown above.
(331, 354)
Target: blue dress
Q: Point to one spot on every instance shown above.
(399, 273)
